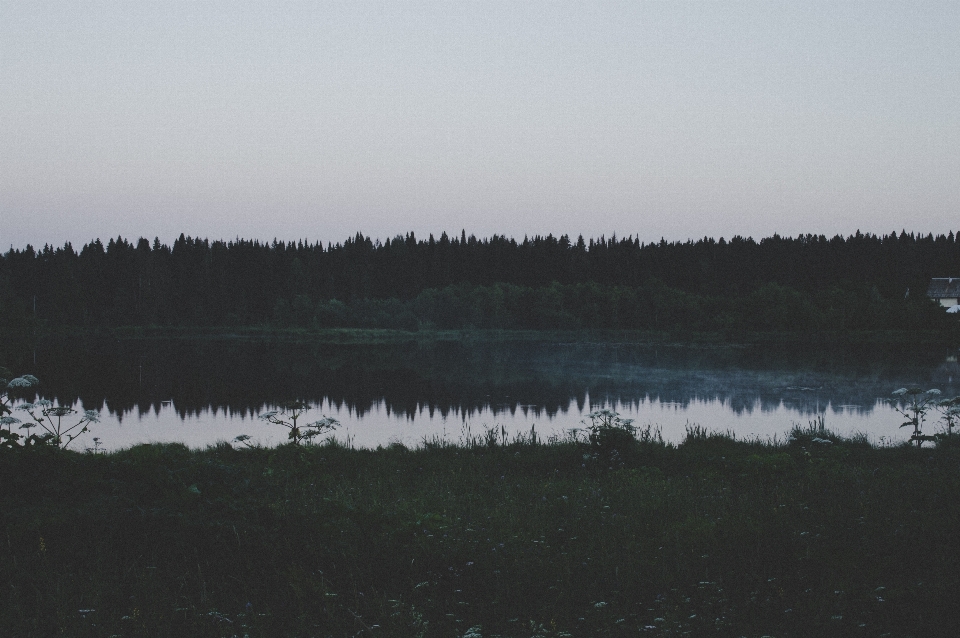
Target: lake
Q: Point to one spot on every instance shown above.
(203, 390)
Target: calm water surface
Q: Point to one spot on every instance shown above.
(201, 391)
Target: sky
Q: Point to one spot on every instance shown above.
(318, 120)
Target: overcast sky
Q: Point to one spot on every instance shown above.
(315, 120)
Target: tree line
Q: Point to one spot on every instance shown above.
(809, 282)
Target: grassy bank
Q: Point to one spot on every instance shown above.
(711, 537)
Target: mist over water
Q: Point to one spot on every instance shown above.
(201, 391)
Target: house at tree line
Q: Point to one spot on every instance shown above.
(945, 291)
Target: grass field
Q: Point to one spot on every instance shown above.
(485, 538)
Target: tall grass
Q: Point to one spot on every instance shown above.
(490, 536)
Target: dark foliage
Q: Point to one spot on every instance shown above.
(861, 282)
(716, 537)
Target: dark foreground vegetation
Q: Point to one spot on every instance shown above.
(815, 536)
(810, 283)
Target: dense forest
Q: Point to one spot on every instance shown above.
(810, 282)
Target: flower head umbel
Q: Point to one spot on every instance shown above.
(25, 381)
(49, 418)
(41, 404)
(288, 415)
(607, 418)
(609, 434)
(914, 403)
(949, 410)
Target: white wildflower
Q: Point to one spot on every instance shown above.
(268, 415)
(21, 382)
(325, 422)
(9, 420)
(92, 416)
